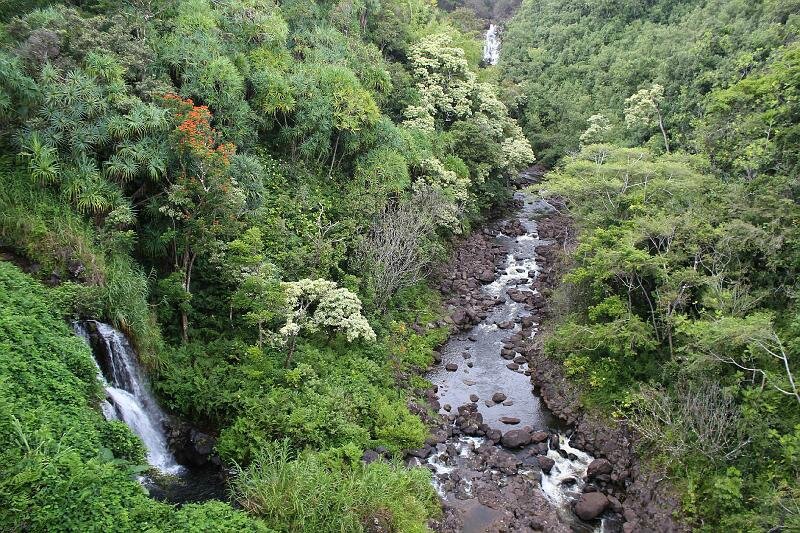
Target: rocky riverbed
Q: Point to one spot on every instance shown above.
(512, 450)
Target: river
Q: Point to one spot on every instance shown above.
(506, 463)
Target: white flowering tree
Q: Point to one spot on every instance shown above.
(598, 129)
(444, 81)
(643, 108)
(314, 305)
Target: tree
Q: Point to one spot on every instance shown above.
(397, 249)
(258, 290)
(643, 107)
(319, 305)
(202, 201)
(444, 81)
(598, 129)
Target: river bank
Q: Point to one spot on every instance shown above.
(511, 449)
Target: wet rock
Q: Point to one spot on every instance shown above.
(508, 403)
(539, 436)
(512, 366)
(437, 357)
(470, 364)
(451, 367)
(499, 397)
(591, 505)
(516, 438)
(489, 403)
(545, 463)
(447, 407)
(473, 398)
(510, 420)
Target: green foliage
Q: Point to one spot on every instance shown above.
(305, 494)
(566, 63)
(674, 318)
(176, 166)
(64, 468)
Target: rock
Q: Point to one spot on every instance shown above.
(370, 456)
(598, 467)
(510, 420)
(421, 453)
(489, 403)
(447, 407)
(591, 505)
(470, 364)
(494, 435)
(202, 443)
(487, 276)
(473, 398)
(437, 357)
(451, 367)
(499, 397)
(512, 366)
(459, 316)
(545, 463)
(516, 438)
(472, 338)
(539, 436)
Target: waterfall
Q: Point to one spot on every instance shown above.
(128, 396)
(491, 45)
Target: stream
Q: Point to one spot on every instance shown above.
(506, 464)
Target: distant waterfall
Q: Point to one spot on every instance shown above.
(491, 45)
(128, 396)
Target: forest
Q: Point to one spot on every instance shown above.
(673, 128)
(259, 195)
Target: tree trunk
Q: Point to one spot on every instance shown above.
(289, 355)
(188, 265)
(663, 131)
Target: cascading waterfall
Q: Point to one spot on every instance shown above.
(491, 45)
(128, 395)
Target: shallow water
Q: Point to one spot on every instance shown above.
(488, 375)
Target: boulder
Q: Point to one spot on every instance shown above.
(510, 420)
(516, 438)
(459, 316)
(370, 456)
(591, 505)
(598, 467)
(499, 397)
(539, 436)
(545, 463)
(451, 367)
